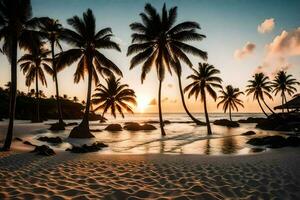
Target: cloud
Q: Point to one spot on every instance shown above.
(266, 26)
(285, 44)
(247, 50)
(165, 99)
(153, 102)
(170, 85)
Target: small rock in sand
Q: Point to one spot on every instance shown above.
(249, 133)
(43, 150)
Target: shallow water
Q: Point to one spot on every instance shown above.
(182, 138)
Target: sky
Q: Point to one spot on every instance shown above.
(242, 37)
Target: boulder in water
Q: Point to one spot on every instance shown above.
(226, 122)
(252, 120)
(56, 140)
(132, 126)
(57, 127)
(43, 150)
(80, 132)
(148, 127)
(275, 141)
(114, 127)
(249, 133)
(96, 146)
(293, 141)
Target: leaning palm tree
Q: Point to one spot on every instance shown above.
(229, 99)
(16, 23)
(284, 83)
(260, 86)
(33, 65)
(115, 96)
(87, 42)
(51, 30)
(158, 43)
(204, 80)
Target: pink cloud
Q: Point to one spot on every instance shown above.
(266, 26)
(247, 50)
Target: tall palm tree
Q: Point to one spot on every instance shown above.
(87, 42)
(16, 23)
(115, 96)
(51, 30)
(260, 86)
(284, 83)
(204, 80)
(33, 65)
(229, 99)
(157, 42)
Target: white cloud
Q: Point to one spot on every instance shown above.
(266, 26)
(247, 50)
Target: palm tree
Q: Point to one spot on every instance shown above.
(87, 42)
(204, 80)
(115, 96)
(284, 83)
(260, 86)
(15, 28)
(158, 42)
(75, 99)
(33, 65)
(51, 30)
(229, 99)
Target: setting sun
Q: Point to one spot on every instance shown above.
(142, 103)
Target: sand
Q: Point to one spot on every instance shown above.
(269, 175)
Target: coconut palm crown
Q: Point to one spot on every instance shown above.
(230, 99)
(115, 96)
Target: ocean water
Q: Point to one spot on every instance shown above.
(182, 138)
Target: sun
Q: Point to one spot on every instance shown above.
(142, 103)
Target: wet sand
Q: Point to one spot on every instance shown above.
(268, 175)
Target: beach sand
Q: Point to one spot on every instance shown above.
(268, 175)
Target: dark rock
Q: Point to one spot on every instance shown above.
(56, 140)
(29, 143)
(148, 127)
(96, 117)
(80, 132)
(249, 133)
(269, 141)
(72, 124)
(226, 122)
(114, 127)
(43, 150)
(293, 141)
(96, 146)
(157, 122)
(95, 130)
(256, 150)
(167, 122)
(281, 122)
(252, 120)
(57, 127)
(18, 139)
(132, 126)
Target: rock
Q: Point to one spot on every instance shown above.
(29, 143)
(167, 122)
(114, 127)
(72, 124)
(249, 133)
(226, 122)
(251, 120)
(157, 122)
(132, 126)
(43, 150)
(269, 141)
(293, 141)
(256, 150)
(18, 139)
(96, 146)
(57, 127)
(148, 127)
(80, 132)
(95, 130)
(56, 140)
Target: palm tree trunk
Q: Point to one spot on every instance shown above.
(230, 113)
(268, 107)
(287, 108)
(161, 122)
(59, 110)
(262, 107)
(282, 102)
(206, 114)
(13, 94)
(198, 122)
(37, 97)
